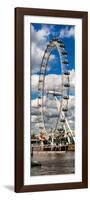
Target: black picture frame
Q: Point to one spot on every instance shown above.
(19, 99)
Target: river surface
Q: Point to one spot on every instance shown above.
(53, 163)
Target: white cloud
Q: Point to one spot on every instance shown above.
(67, 33)
(38, 45)
(39, 36)
(34, 82)
(51, 114)
(72, 76)
(34, 103)
(53, 82)
(39, 41)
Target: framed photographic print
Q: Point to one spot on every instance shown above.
(51, 100)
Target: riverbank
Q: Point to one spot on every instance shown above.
(49, 148)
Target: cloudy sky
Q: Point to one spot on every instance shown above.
(41, 34)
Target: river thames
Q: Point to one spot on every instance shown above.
(53, 163)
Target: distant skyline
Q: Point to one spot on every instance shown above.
(41, 34)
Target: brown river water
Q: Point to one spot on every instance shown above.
(53, 163)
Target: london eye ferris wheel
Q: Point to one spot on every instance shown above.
(60, 97)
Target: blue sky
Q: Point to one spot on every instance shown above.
(64, 32)
(41, 34)
(68, 41)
